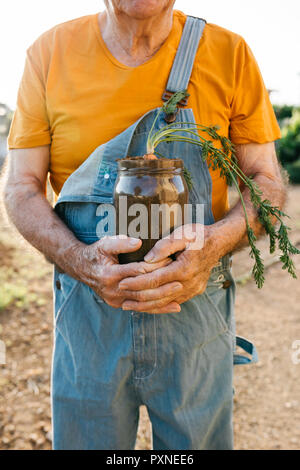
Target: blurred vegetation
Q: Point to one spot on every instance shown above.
(19, 282)
(283, 112)
(289, 146)
(6, 115)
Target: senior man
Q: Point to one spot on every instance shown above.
(157, 333)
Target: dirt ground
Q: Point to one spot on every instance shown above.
(267, 395)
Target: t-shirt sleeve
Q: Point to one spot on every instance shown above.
(252, 115)
(30, 124)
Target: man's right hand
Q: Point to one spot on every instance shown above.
(97, 266)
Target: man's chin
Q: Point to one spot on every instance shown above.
(143, 9)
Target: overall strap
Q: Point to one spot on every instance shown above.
(184, 60)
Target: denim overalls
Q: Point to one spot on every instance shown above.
(107, 362)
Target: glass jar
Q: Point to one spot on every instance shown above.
(149, 198)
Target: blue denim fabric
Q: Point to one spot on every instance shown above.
(108, 362)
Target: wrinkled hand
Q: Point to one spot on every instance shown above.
(97, 265)
(190, 270)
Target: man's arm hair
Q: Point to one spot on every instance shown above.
(28, 208)
(260, 162)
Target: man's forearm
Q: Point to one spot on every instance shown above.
(35, 219)
(229, 234)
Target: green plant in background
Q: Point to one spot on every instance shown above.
(6, 115)
(283, 112)
(225, 160)
(293, 170)
(289, 147)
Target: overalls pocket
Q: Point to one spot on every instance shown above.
(91, 218)
(65, 287)
(219, 293)
(108, 171)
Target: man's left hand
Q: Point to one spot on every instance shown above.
(196, 255)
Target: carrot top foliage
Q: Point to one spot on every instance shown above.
(223, 157)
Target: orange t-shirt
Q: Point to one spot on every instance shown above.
(74, 94)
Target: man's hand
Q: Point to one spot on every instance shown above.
(191, 269)
(97, 265)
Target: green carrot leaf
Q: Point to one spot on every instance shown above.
(170, 107)
(224, 159)
(188, 178)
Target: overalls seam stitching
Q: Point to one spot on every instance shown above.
(60, 312)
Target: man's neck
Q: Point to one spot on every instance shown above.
(133, 41)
